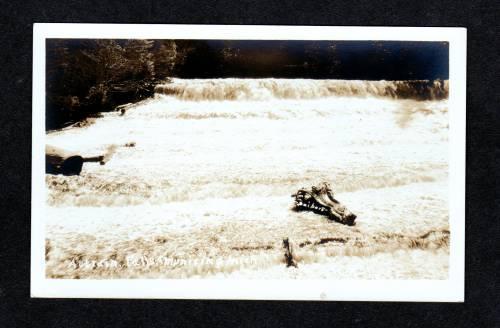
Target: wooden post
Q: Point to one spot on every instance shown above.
(60, 161)
(289, 253)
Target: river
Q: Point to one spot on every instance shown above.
(200, 178)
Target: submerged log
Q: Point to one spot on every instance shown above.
(60, 161)
(321, 201)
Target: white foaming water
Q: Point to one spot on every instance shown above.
(187, 149)
(233, 141)
(265, 89)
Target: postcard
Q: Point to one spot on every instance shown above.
(248, 162)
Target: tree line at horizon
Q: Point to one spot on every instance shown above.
(85, 77)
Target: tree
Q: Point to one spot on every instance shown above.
(139, 59)
(169, 55)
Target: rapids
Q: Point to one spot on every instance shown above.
(207, 154)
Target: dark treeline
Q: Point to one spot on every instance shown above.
(87, 76)
(349, 60)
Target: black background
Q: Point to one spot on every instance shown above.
(482, 299)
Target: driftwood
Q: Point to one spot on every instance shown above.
(60, 161)
(321, 201)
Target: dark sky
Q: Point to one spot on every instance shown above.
(365, 60)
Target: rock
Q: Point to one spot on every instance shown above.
(60, 161)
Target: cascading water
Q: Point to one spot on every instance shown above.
(265, 89)
(214, 162)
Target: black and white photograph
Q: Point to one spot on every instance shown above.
(248, 162)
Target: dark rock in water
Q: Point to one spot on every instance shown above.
(321, 201)
(60, 161)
